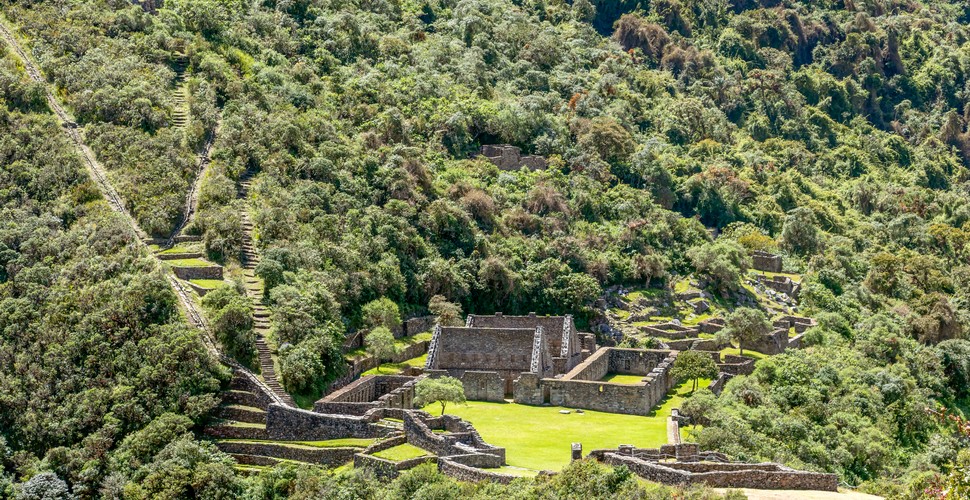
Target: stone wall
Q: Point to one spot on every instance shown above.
(198, 273)
(712, 325)
(774, 343)
(421, 324)
(559, 331)
(768, 262)
(310, 454)
(634, 399)
(235, 432)
(483, 386)
(293, 424)
(462, 472)
(635, 361)
(715, 475)
(508, 157)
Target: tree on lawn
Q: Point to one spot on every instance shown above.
(380, 344)
(693, 365)
(441, 390)
(746, 325)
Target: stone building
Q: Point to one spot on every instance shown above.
(507, 157)
(765, 261)
(567, 346)
(585, 386)
(488, 359)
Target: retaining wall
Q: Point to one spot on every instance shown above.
(322, 456)
(198, 273)
(293, 424)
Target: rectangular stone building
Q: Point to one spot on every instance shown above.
(487, 356)
(560, 334)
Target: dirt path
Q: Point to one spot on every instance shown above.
(95, 169)
(754, 494)
(192, 198)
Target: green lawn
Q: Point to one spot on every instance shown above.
(747, 353)
(189, 263)
(616, 378)
(182, 248)
(395, 368)
(208, 283)
(539, 437)
(401, 452)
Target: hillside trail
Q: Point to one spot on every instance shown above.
(254, 290)
(100, 178)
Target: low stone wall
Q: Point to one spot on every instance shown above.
(244, 398)
(465, 473)
(731, 475)
(774, 343)
(198, 273)
(322, 456)
(385, 444)
(388, 469)
(180, 255)
(242, 414)
(235, 432)
(717, 386)
(293, 424)
(713, 325)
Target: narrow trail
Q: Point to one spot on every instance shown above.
(192, 198)
(254, 290)
(98, 175)
(95, 169)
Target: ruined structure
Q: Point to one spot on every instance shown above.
(684, 465)
(584, 386)
(369, 392)
(490, 353)
(508, 157)
(765, 261)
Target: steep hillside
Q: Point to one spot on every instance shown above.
(679, 137)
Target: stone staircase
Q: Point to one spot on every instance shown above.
(254, 289)
(180, 114)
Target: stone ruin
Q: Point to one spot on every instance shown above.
(684, 464)
(767, 262)
(508, 157)
(584, 386)
(490, 353)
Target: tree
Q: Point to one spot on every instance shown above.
(746, 325)
(693, 365)
(800, 233)
(448, 313)
(381, 312)
(380, 343)
(45, 486)
(722, 262)
(441, 390)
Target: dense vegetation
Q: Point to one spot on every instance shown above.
(833, 132)
(93, 347)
